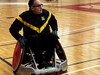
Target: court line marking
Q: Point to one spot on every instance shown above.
(91, 27)
(83, 69)
(82, 44)
(14, 42)
(13, 3)
(79, 7)
(85, 61)
(5, 61)
(19, 3)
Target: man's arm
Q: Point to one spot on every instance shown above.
(53, 23)
(15, 28)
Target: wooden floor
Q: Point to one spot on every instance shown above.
(79, 32)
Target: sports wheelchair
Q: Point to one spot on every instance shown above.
(58, 65)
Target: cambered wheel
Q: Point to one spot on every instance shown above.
(17, 57)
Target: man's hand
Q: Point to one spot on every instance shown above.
(55, 32)
(22, 41)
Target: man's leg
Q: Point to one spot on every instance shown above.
(50, 41)
(34, 43)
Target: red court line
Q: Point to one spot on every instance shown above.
(80, 8)
(97, 3)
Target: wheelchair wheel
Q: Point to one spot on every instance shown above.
(17, 57)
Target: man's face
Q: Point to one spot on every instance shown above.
(37, 7)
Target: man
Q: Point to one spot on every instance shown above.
(39, 33)
(37, 24)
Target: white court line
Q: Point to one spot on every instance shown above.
(13, 3)
(81, 69)
(83, 29)
(19, 3)
(89, 27)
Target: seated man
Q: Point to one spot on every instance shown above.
(36, 23)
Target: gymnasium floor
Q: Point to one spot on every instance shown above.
(79, 32)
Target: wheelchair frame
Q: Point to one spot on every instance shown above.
(18, 57)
